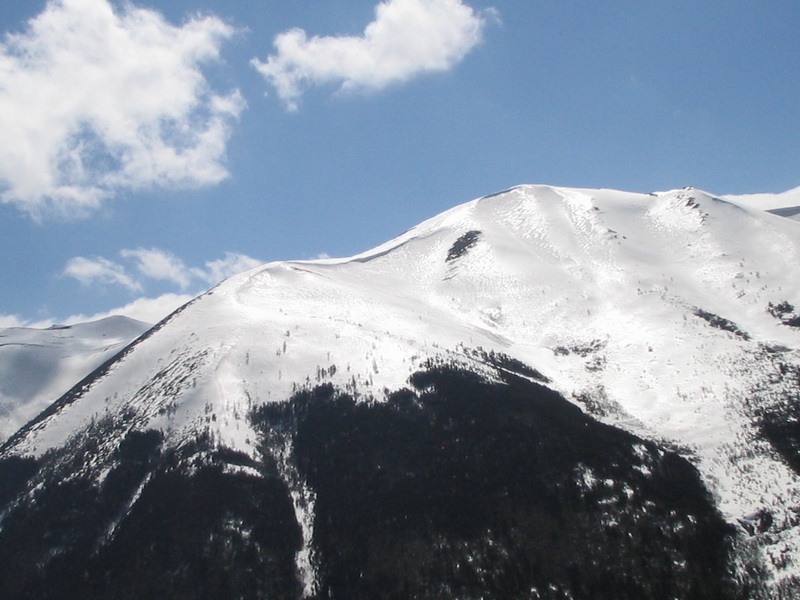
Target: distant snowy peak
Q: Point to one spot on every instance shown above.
(785, 204)
(38, 365)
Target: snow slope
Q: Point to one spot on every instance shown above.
(786, 204)
(671, 315)
(38, 365)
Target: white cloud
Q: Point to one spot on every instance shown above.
(158, 264)
(100, 270)
(94, 100)
(233, 263)
(149, 310)
(407, 37)
(11, 321)
(153, 264)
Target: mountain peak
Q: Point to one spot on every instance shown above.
(667, 318)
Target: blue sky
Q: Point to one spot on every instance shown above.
(149, 148)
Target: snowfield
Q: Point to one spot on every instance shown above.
(39, 365)
(671, 315)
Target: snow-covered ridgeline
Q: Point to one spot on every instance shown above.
(655, 312)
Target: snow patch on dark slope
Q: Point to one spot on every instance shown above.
(408, 383)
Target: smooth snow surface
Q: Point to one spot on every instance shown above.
(651, 311)
(38, 365)
(786, 204)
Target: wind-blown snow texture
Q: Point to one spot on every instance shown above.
(405, 422)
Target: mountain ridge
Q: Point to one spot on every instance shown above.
(668, 316)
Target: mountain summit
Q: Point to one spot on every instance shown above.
(543, 393)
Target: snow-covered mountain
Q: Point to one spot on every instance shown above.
(786, 204)
(39, 365)
(543, 393)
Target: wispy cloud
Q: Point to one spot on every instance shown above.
(12, 321)
(101, 271)
(143, 264)
(94, 100)
(148, 309)
(407, 38)
(158, 264)
(231, 264)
